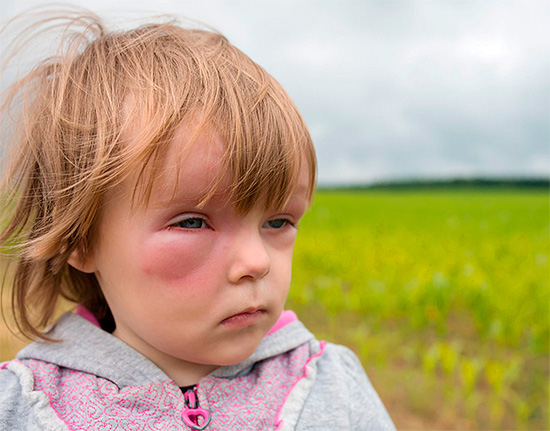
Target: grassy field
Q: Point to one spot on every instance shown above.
(444, 295)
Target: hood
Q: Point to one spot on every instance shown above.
(88, 348)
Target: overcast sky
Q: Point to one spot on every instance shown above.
(395, 89)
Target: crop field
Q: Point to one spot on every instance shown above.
(444, 296)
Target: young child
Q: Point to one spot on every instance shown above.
(156, 178)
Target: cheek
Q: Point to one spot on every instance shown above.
(281, 264)
(284, 250)
(172, 260)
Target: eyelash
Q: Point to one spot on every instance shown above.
(286, 222)
(178, 224)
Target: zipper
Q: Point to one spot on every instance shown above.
(194, 416)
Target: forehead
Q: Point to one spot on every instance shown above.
(195, 169)
(193, 165)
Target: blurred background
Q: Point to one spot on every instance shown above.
(426, 249)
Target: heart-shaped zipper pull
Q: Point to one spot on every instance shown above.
(194, 416)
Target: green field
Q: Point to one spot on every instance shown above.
(444, 295)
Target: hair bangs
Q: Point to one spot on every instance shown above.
(265, 138)
(267, 143)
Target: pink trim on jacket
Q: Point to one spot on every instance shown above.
(86, 401)
(87, 314)
(287, 316)
(279, 422)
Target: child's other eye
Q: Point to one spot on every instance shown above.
(191, 223)
(277, 223)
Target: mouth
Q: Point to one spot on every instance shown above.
(244, 318)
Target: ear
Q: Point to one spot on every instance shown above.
(80, 261)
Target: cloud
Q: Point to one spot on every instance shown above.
(393, 89)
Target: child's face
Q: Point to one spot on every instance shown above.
(194, 288)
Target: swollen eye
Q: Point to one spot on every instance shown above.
(191, 223)
(277, 223)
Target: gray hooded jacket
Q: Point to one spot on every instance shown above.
(94, 381)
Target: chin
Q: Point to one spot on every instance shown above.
(238, 352)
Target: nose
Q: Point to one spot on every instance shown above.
(249, 258)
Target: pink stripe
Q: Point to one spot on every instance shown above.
(87, 314)
(286, 317)
(3, 365)
(58, 413)
(279, 422)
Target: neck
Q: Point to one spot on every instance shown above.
(184, 373)
(186, 376)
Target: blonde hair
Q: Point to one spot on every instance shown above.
(71, 113)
